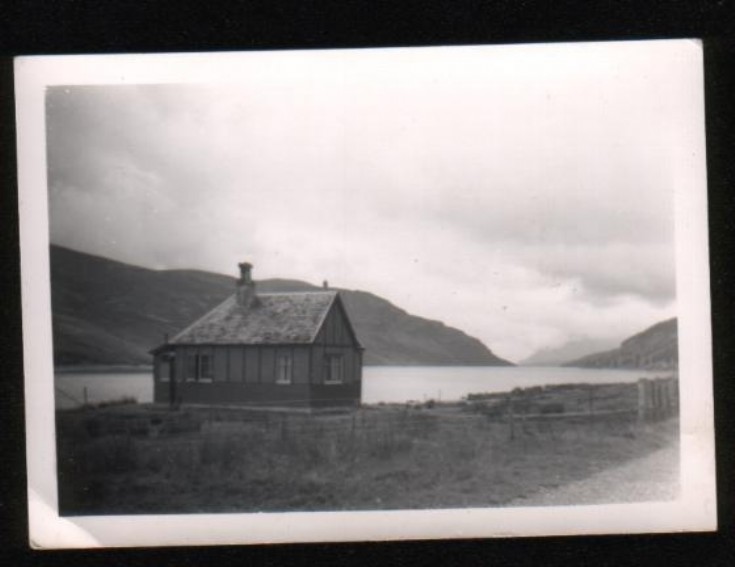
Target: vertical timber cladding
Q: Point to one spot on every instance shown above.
(219, 372)
(164, 368)
(221, 363)
(236, 362)
(335, 338)
(268, 365)
(180, 363)
(251, 364)
(317, 364)
(335, 331)
(301, 370)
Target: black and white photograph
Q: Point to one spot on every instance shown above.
(360, 294)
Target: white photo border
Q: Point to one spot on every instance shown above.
(695, 510)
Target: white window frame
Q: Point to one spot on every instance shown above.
(195, 374)
(209, 357)
(190, 375)
(284, 369)
(334, 364)
(164, 369)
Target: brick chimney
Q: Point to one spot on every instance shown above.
(246, 286)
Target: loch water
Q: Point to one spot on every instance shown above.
(389, 384)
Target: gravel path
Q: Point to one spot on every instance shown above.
(654, 477)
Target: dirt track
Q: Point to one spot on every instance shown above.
(654, 477)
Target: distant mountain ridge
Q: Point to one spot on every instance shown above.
(108, 312)
(571, 350)
(655, 348)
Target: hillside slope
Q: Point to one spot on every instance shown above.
(107, 312)
(571, 350)
(656, 348)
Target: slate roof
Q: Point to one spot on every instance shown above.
(276, 318)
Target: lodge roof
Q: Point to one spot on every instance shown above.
(274, 318)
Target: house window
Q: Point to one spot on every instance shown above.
(198, 367)
(192, 363)
(284, 369)
(205, 368)
(334, 369)
(164, 370)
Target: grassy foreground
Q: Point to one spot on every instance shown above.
(141, 459)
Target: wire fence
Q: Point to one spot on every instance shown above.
(537, 412)
(76, 402)
(193, 442)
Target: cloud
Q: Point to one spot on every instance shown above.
(523, 205)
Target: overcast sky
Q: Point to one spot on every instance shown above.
(523, 197)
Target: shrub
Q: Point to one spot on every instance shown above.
(495, 411)
(127, 400)
(93, 427)
(182, 423)
(110, 454)
(552, 407)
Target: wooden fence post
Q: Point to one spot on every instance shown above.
(511, 420)
(667, 397)
(642, 399)
(591, 405)
(674, 394)
(659, 398)
(654, 404)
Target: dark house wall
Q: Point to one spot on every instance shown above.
(248, 373)
(336, 329)
(336, 338)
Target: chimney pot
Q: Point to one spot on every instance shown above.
(246, 286)
(245, 271)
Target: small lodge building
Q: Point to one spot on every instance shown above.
(295, 349)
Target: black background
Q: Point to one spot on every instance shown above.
(77, 26)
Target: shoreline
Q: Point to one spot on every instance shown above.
(103, 368)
